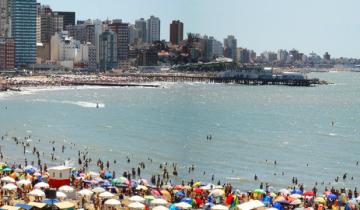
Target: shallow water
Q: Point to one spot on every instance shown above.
(251, 127)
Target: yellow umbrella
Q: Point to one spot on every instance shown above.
(319, 200)
(196, 184)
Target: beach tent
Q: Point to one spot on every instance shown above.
(253, 204)
(6, 207)
(24, 206)
(37, 205)
(59, 176)
(65, 205)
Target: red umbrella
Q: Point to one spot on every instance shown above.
(309, 193)
(197, 190)
(179, 187)
(155, 193)
(327, 193)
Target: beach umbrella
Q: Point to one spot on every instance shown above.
(207, 187)
(327, 193)
(137, 198)
(141, 187)
(41, 185)
(30, 169)
(98, 190)
(183, 205)
(112, 202)
(218, 187)
(297, 191)
(155, 193)
(18, 170)
(179, 187)
(9, 187)
(160, 208)
(279, 199)
(219, 207)
(136, 205)
(252, 204)
(296, 202)
(187, 200)
(143, 182)
(108, 175)
(260, 191)
(165, 194)
(180, 194)
(217, 193)
(7, 170)
(37, 193)
(7, 179)
(106, 183)
(166, 187)
(106, 194)
(319, 200)
(23, 182)
(284, 191)
(295, 196)
(196, 184)
(309, 193)
(66, 188)
(60, 195)
(159, 201)
(198, 190)
(85, 192)
(332, 196)
(149, 197)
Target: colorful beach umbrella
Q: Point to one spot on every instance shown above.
(137, 198)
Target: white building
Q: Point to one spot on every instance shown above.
(153, 29)
(64, 49)
(5, 29)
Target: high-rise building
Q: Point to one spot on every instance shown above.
(327, 56)
(176, 32)
(23, 30)
(7, 53)
(282, 56)
(140, 26)
(122, 31)
(84, 32)
(68, 17)
(133, 35)
(147, 57)
(5, 18)
(243, 55)
(153, 29)
(230, 45)
(108, 50)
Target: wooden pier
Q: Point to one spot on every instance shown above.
(224, 80)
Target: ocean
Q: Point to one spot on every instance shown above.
(311, 132)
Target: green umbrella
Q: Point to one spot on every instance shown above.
(260, 191)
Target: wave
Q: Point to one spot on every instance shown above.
(84, 104)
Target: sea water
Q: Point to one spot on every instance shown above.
(311, 132)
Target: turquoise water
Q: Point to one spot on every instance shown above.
(251, 126)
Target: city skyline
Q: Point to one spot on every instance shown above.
(325, 26)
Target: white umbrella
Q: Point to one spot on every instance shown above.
(23, 182)
(296, 202)
(85, 192)
(159, 201)
(218, 187)
(285, 191)
(217, 192)
(112, 202)
(183, 205)
(160, 208)
(106, 195)
(41, 185)
(137, 198)
(60, 195)
(252, 204)
(7, 179)
(66, 188)
(295, 196)
(37, 193)
(219, 207)
(9, 187)
(98, 190)
(141, 187)
(136, 205)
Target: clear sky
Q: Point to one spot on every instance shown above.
(307, 25)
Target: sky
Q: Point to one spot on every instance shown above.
(307, 25)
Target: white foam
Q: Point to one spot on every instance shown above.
(85, 104)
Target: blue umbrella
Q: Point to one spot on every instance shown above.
(179, 194)
(297, 191)
(106, 184)
(173, 207)
(278, 206)
(187, 200)
(108, 175)
(50, 201)
(332, 196)
(24, 206)
(7, 169)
